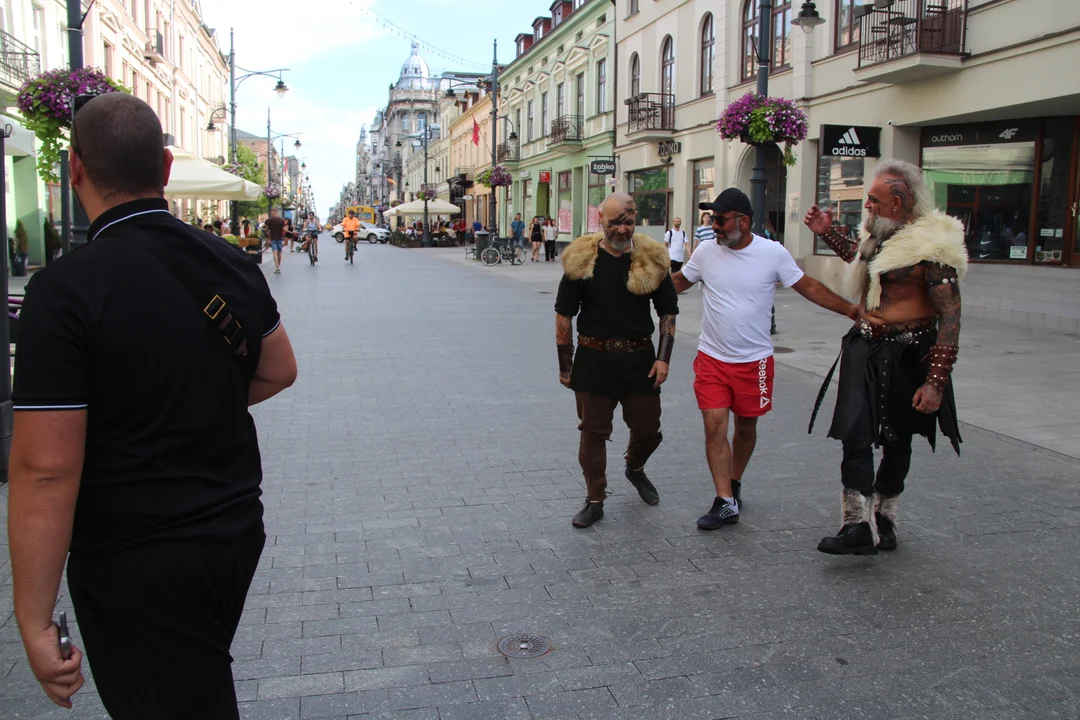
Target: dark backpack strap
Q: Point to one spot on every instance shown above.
(212, 305)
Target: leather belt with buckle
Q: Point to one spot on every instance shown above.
(614, 345)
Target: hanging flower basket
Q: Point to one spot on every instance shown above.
(426, 195)
(45, 103)
(382, 208)
(758, 120)
(272, 191)
(499, 177)
(234, 168)
(394, 203)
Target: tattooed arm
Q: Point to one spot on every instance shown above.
(564, 342)
(944, 290)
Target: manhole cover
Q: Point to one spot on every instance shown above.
(781, 350)
(524, 646)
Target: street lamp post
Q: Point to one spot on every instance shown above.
(270, 137)
(234, 83)
(424, 138)
(493, 219)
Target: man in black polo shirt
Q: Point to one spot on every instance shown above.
(610, 278)
(138, 357)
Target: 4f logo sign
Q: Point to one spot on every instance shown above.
(1009, 133)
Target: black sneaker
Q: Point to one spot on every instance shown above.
(720, 514)
(855, 539)
(886, 533)
(644, 487)
(736, 492)
(588, 514)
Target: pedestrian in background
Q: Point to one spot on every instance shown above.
(133, 447)
(551, 234)
(536, 237)
(275, 235)
(677, 245)
(704, 233)
(517, 230)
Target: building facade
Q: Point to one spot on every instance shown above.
(964, 88)
(559, 97)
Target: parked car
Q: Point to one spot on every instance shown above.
(369, 232)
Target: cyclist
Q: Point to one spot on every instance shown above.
(350, 226)
(311, 230)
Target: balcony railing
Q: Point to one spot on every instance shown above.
(651, 111)
(18, 62)
(892, 29)
(509, 151)
(568, 128)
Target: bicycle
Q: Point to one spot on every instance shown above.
(350, 248)
(502, 249)
(313, 256)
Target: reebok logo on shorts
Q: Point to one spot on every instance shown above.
(763, 383)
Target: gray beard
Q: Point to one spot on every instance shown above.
(879, 230)
(616, 243)
(730, 239)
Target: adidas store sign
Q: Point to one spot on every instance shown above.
(850, 141)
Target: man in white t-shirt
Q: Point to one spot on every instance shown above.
(733, 369)
(678, 245)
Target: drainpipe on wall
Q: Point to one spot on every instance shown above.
(615, 100)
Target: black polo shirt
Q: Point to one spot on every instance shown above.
(171, 451)
(609, 310)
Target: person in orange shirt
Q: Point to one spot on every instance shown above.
(350, 226)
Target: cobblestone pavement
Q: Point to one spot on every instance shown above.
(420, 478)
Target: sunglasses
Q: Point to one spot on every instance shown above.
(725, 220)
(76, 106)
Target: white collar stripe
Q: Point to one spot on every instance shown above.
(127, 217)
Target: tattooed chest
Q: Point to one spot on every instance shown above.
(901, 283)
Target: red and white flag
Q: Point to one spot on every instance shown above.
(475, 133)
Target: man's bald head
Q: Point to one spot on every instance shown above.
(616, 205)
(119, 142)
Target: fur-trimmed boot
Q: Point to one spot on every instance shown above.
(885, 518)
(857, 535)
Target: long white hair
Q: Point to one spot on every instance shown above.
(913, 176)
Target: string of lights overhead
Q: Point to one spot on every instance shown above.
(431, 49)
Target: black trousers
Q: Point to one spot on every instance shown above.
(157, 622)
(857, 467)
(549, 249)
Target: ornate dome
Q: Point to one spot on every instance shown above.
(415, 74)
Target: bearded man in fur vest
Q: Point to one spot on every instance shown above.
(896, 362)
(609, 280)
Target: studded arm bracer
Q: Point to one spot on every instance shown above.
(838, 241)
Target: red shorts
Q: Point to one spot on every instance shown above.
(746, 388)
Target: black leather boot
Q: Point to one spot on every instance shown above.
(589, 514)
(851, 540)
(885, 517)
(856, 536)
(644, 487)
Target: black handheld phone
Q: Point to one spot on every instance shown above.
(65, 639)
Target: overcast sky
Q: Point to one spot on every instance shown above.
(342, 59)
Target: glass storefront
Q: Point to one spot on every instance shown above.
(1009, 182)
(841, 189)
(566, 205)
(597, 191)
(650, 190)
(704, 182)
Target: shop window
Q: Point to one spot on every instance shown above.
(597, 192)
(704, 182)
(649, 189)
(526, 197)
(841, 188)
(983, 175)
(1054, 200)
(564, 219)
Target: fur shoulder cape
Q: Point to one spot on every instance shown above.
(936, 238)
(649, 262)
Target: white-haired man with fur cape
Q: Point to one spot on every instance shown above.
(609, 281)
(896, 362)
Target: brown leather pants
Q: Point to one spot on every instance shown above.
(641, 414)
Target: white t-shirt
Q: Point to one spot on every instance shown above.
(675, 240)
(551, 232)
(740, 286)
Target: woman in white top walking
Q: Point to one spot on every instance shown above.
(677, 244)
(551, 234)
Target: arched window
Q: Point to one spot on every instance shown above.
(708, 44)
(635, 75)
(667, 67)
(421, 121)
(781, 50)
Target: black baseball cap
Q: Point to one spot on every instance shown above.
(731, 199)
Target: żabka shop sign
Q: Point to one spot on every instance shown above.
(850, 141)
